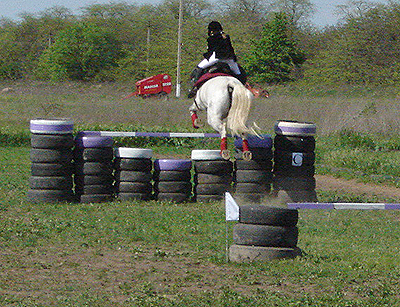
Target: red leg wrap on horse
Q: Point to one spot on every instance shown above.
(224, 144)
(246, 145)
(194, 117)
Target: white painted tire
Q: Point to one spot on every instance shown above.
(205, 154)
(133, 153)
(51, 126)
(295, 128)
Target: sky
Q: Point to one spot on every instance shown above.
(324, 15)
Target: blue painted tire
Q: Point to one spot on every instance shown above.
(255, 142)
(172, 165)
(94, 141)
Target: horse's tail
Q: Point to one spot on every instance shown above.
(242, 100)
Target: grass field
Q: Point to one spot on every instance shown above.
(164, 254)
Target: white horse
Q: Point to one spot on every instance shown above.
(228, 104)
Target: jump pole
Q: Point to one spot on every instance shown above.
(344, 206)
(152, 134)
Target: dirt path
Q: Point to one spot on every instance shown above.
(329, 183)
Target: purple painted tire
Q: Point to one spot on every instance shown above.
(94, 141)
(295, 128)
(172, 165)
(51, 126)
(255, 142)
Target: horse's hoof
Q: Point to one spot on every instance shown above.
(198, 123)
(225, 154)
(247, 155)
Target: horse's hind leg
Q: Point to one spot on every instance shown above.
(246, 153)
(197, 122)
(220, 126)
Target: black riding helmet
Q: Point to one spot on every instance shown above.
(214, 26)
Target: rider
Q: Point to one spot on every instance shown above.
(219, 49)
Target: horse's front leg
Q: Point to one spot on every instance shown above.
(197, 122)
(246, 153)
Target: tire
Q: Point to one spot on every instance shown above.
(134, 187)
(264, 215)
(172, 165)
(93, 154)
(93, 180)
(253, 176)
(50, 196)
(255, 142)
(52, 141)
(140, 165)
(212, 189)
(173, 197)
(205, 154)
(294, 143)
(172, 176)
(133, 153)
(297, 159)
(94, 189)
(243, 253)
(62, 156)
(94, 168)
(258, 154)
(94, 141)
(264, 235)
(52, 126)
(294, 171)
(250, 187)
(213, 167)
(173, 187)
(262, 165)
(51, 169)
(96, 198)
(295, 128)
(201, 178)
(50, 183)
(133, 176)
(287, 196)
(294, 183)
(133, 196)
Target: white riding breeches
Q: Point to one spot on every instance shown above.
(232, 64)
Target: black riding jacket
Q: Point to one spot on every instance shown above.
(220, 43)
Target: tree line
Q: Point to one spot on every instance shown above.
(274, 40)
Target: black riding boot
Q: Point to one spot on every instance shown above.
(194, 76)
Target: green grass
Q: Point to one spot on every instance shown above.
(164, 254)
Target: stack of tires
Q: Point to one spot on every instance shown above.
(93, 168)
(212, 175)
(133, 175)
(253, 179)
(51, 155)
(294, 160)
(172, 180)
(264, 233)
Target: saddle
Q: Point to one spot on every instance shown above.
(200, 76)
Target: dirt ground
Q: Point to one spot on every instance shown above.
(329, 183)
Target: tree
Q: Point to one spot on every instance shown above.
(275, 55)
(299, 11)
(81, 52)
